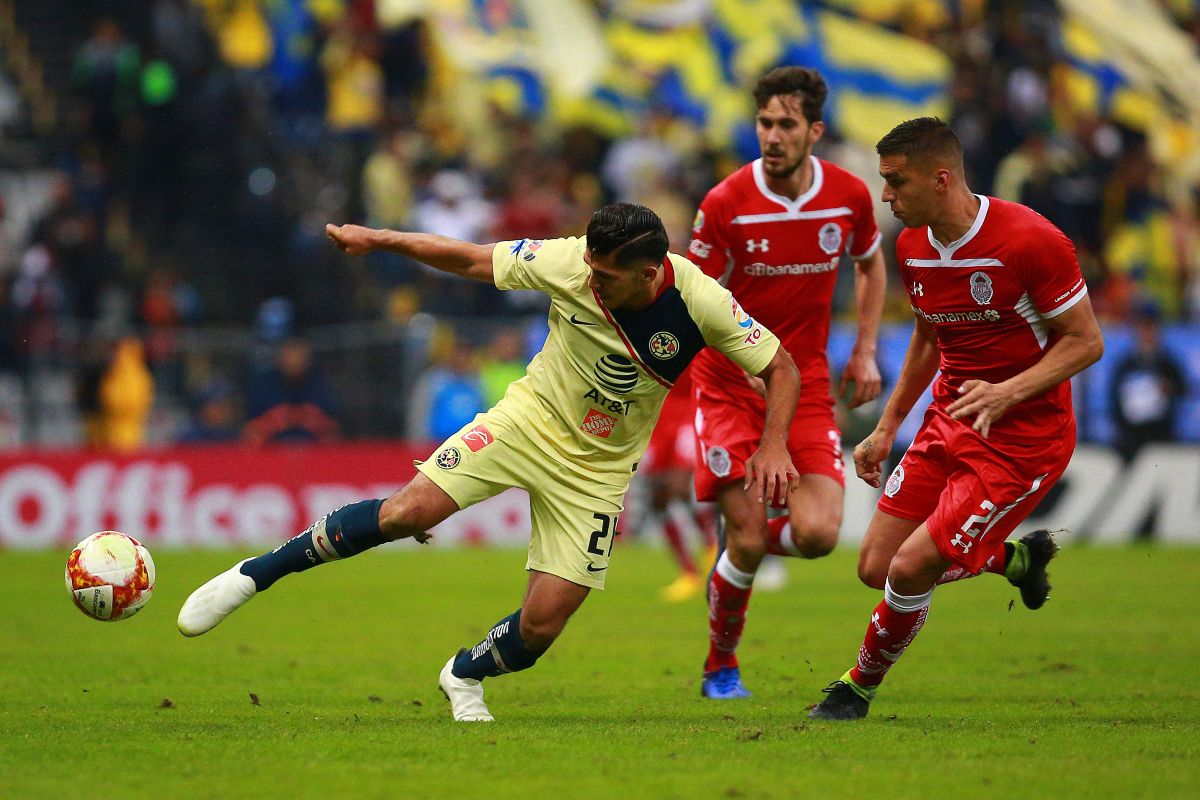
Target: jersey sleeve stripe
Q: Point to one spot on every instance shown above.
(1036, 320)
(1068, 304)
(870, 251)
(629, 347)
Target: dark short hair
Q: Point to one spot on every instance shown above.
(923, 137)
(807, 83)
(631, 232)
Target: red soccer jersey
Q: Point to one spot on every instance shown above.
(988, 296)
(779, 257)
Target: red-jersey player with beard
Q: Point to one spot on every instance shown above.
(1002, 311)
(774, 232)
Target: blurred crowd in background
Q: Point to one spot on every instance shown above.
(167, 168)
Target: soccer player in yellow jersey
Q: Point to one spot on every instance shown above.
(625, 319)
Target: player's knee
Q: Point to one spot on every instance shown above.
(746, 546)
(814, 538)
(872, 573)
(910, 575)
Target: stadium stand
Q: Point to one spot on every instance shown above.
(167, 168)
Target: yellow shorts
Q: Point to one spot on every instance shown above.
(574, 518)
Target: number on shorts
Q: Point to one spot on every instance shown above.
(607, 525)
(970, 526)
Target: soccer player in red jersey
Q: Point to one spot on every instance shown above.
(774, 232)
(1002, 311)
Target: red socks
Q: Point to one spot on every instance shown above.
(779, 538)
(894, 624)
(728, 596)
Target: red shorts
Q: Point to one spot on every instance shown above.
(673, 443)
(972, 492)
(728, 432)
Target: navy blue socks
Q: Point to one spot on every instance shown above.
(502, 650)
(346, 532)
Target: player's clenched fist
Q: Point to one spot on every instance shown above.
(353, 240)
(870, 453)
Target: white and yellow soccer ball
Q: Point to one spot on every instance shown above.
(110, 576)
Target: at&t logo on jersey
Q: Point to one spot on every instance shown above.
(664, 345)
(758, 245)
(448, 458)
(700, 249)
(830, 237)
(598, 424)
(615, 406)
(616, 373)
(981, 288)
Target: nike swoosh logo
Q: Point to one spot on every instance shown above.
(575, 321)
(594, 568)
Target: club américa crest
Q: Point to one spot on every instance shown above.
(664, 345)
(448, 458)
(981, 288)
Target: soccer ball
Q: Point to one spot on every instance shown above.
(110, 576)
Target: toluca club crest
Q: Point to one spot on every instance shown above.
(664, 345)
(981, 288)
(895, 481)
(830, 237)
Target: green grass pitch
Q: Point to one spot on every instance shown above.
(327, 687)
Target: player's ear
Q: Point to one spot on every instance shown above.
(649, 273)
(941, 179)
(816, 131)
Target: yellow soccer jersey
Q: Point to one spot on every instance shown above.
(594, 392)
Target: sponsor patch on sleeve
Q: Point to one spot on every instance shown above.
(478, 438)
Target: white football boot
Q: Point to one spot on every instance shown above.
(215, 600)
(465, 696)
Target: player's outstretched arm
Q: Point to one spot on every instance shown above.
(920, 365)
(440, 252)
(870, 285)
(1080, 345)
(770, 469)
